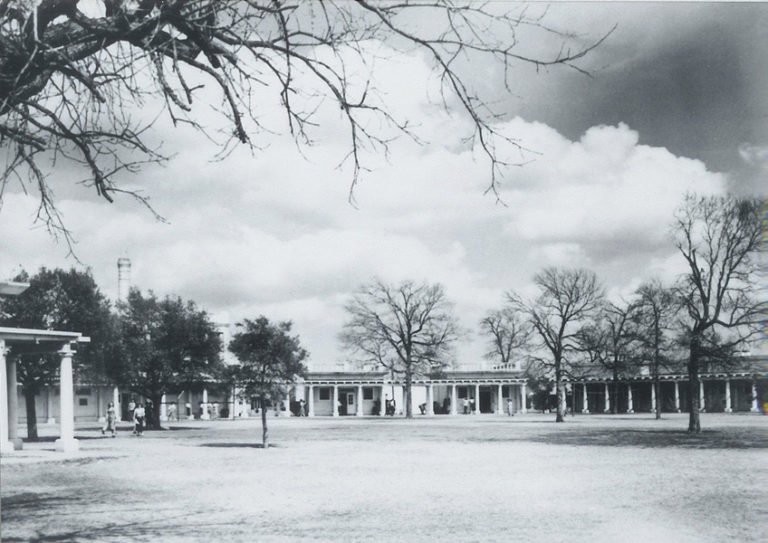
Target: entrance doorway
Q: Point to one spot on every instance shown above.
(485, 400)
(350, 404)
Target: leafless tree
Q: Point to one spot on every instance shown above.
(720, 239)
(657, 308)
(608, 342)
(74, 77)
(508, 334)
(408, 329)
(567, 301)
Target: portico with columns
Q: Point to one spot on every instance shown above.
(341, 394)
(18, 341)
(718, 392)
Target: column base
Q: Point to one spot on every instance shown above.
(163, 418)
(6, 447)
(67, 445)
(678, 410)
(50, 420)
(728, 410)
(754, 410)
(18, 443)
(205, 416)
(585, 411)
(102, 419)
(630, 411)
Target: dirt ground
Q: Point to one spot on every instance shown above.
(473, 478)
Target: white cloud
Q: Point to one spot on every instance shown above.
(273, 233)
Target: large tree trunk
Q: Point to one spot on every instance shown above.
(694, 423)
(154, 416)
(615, 402)
(264, 429)
(560, 388)
(29, 402)
(657, 386)
(408, 402)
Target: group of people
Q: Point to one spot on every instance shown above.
(138, 416)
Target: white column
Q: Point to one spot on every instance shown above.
(607, 407)
(477, 400)
(585, 397)
(311, 401)
(335, 400)
(163, 409)
(100, 406)
(728, 407)
(232, 403)
(13, 404)
(50, 418)
(382, 403)
(523, 398)
(286, 401)
(677, 396)
(359, 412)
(430, 399)
(630, 402)
(755, 401)
(5, 445)
(204, 415)
(116, 401)
(653, 397)
(702, 406)
(500, 401)
(454, 399)
(66, 441)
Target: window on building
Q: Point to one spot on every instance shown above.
(82, 402)
(367, 393)
(82, 391)
(325, 393)
(462, 392)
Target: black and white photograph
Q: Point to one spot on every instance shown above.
(383, 270)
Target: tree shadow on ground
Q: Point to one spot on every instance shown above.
(239, 445)
(707, 439)
(174, 526)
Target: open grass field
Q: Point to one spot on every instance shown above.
(485, 478)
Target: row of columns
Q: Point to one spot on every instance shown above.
(429, 399)
(702, 406)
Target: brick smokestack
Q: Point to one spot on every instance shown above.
(123, 278)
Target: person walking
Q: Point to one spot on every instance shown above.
(139, 420)
(510, 407)
(111, 420)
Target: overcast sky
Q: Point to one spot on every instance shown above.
(677, 102)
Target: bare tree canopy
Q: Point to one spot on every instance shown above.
(720, 239)
(568, 299)
(74, 76)
(408, 329)
(508, 333)
(657, 309)
(608, 342)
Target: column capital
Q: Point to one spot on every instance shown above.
(66, 350)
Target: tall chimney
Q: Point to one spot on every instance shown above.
(123, 279)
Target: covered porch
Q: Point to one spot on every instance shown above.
(18, 341)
